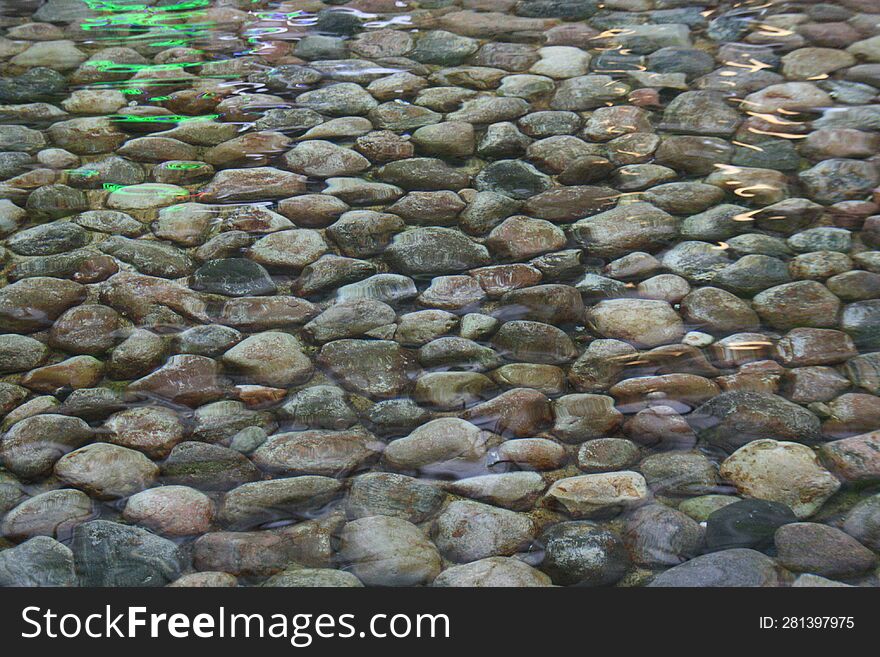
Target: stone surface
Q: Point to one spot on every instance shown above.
(387, 551)
(548, 282)
(783, 472)
(738, 567)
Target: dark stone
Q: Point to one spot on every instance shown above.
(733, 419)
(234, 277)
(48, 239)
(110, 554)
(41, 561)
(342, 22)
(512, 178)
(573, 10)
(583, 553)
(746, 524)
(37, 84)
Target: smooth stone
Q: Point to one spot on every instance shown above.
(110, 554)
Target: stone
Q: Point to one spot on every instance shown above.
(294, 249)
(40, 561)
(492, 572)
(519, 412)
(107, 472)
(34, 303)
(583, 553)
(207, 467)
(341, 99)
(467, 531)
(55, 513)
(390, 494)
(598, 495)
(451, 139)
(784, 472)
(450, 390)
(626, 228)
(423, 173)
(264, 553)
(313, 578)
(264, 502)
(680, 473)
(324, 159)
(110, 554)
(658, 536)
(519, 238)
(821, 550)
(153, 430)
(87, 136)
(185, 379)
(20, 353)
(423, 326)
(587, 92)
(582, 417)
(606, 454)
(257, 183)
(211, 340)
(855, 459)
(318, 407)
(733, 419)
(171, 510)
(317, 452)
(862, 522)
(233, 277)
(717, 311)
(374, 368)
(859, 321)
(531, 453)
(512, 490)
(643, 322)
(534, 342)
(738, 567)
(552, 303)
(85, 329)
(33, 445)
(431, 251)
(701, 113)
(436, 442)
(387, 551)
(270, 358)
(746, 524)
(836, 180)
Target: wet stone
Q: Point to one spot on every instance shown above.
(111, 554)
(468, 531)
(746, 524)
(657, 535)
(583, 553)
(736, 567)
(388, 551)
(804, 487)
(40, 561)
(207, 467)
(515, 292)
(492, 572)
(821, 550)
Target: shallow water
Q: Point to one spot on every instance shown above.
(461, 292)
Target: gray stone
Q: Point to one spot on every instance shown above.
(114, 555)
